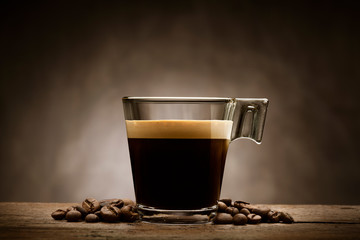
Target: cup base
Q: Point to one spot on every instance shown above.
(154, 215)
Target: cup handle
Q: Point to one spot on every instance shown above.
(249, 119)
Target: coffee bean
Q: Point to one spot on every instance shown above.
(128, 202)
(223, 218)
(59, 214)
(110, 213)
(73, 216)
(240, 205)
(91, 205)
(128, 214)
(98, 213)
(70, 208)
(105, 202)
(81, 210)
(253, 218)
(273, 216)
(232, 210)
(240, 219)
(286, 217)
(235, 211)
(227, 201)
(229, 210)
(244, 211)
(91, 218)
(262, 211)
(221, 206)
(241, 202)
(119, 203)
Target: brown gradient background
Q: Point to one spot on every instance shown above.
(65, 67)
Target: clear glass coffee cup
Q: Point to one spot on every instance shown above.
(178, 148)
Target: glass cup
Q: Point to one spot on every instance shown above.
(178, 147)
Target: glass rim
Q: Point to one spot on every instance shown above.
(187, 99)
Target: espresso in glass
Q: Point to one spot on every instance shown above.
(178, 147)
(178, 164)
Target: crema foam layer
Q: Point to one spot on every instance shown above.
(198, 129)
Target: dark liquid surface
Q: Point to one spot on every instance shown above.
(177, 174)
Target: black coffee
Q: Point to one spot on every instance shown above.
(178, 173)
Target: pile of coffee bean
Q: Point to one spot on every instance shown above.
(92, 210)
(123, 210)
(241, 213)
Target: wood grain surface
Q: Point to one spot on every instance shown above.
(33, 221)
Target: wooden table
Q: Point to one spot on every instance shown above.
(33, 221)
